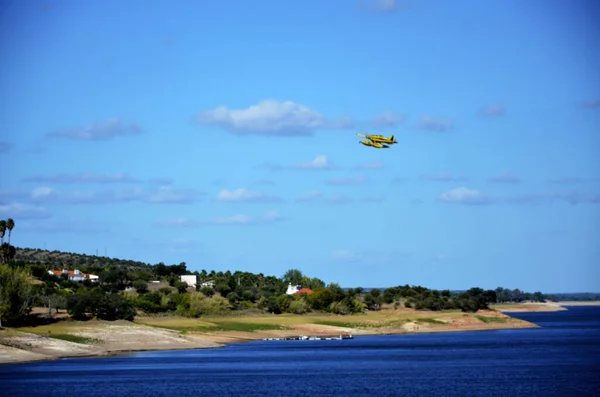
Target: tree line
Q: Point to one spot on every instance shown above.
(125, 289)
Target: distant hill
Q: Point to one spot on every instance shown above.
(577, 296)
(57, 259)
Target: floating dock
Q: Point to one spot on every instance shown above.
(313, 337)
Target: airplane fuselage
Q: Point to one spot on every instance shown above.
(380, 139)
(374, 144)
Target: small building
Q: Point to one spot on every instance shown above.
(292, 289)
(303, 291)
(190, 279)
(209, 283)
(74, 275)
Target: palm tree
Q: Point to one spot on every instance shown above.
(10, 224)
(2, 230)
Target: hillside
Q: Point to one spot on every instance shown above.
(56, 259)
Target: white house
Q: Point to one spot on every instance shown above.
(74, 275)
(190, 279)
(292, 289)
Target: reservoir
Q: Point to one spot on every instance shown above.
(561, 358)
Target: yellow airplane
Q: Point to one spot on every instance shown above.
(378, 140)
(374, 144)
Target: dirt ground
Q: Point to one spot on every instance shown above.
(108, 338)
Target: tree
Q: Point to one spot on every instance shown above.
(321, 299)
(202, 305)
(2, 230)
(7, 253)
(283, 303)
(140, 286)
(293, 276)
(15, 293)
(10, 224)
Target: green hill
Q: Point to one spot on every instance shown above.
(57, 259)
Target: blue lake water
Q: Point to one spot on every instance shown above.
(560, 359)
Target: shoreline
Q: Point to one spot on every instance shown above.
(23, 356)
(96, 338)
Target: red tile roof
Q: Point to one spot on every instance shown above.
(306, 291)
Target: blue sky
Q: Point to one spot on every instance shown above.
(222, 134)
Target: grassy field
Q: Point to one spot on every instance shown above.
(74, 338)
(491, 319)
(58, 328)
(68, 330)
(286, 321)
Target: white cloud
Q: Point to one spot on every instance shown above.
(338, 199)
(357, 180)
(23, 211)
(310, 196)
(161, 181)
(437, 125)
(272, 216)
(88, 177)
(175, 223)
(161, 194)
(462, 195)
(66, 226)
(571, 198)
(505, 177)
(238, 219)
(241, 219)
(100, 131)
(571, 180)
(244, 195)
(265, 182)
(318, 196)
(443, 178)
(382, 6)
(346, 255)
(493, 110)
(532, 198)
(375, 165)
(167, 194)
(387, 120)
(271, 118)
(318, 163)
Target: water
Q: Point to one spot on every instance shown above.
(560, 359)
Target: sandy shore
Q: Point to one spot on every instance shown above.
(579, 303)
(109, 338)
(541, 307)
(106, 339)
(528, 307)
